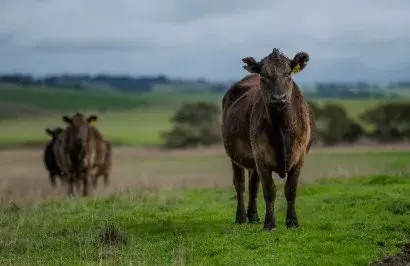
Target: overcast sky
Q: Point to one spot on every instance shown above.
(347, 40)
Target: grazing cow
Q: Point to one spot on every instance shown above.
(49, 158)
(104, 169)
(267, 126)
(81, 148)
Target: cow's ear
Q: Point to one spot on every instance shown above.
(92, 118)
(49, 132)
(251, 65)
(299, 62)
(66, 119)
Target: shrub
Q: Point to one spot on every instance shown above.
(194, 124)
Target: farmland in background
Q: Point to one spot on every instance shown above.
(131, 118)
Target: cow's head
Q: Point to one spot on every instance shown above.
(78, 126)
(54, 133)
(275, 72)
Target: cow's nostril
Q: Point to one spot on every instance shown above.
(279, 98)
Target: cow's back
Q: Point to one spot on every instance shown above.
(238, 89)
(237, 107)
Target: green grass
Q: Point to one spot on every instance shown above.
(140, 127)
(64, 100)
(71, 100)
(343, 222)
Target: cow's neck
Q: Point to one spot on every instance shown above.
(279, 128)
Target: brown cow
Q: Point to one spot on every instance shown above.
(267, 126)
(80, 149)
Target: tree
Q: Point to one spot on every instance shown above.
(389, 121)
(194, 124)
(337, 126)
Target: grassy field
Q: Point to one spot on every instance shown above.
(137, 127)
(70, 100)
(140, 126)
(177, 207)
(136, 119)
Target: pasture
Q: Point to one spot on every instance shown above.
(131, 119)
(126, 118)
(178, 207)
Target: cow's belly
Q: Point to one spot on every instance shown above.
(238, 148)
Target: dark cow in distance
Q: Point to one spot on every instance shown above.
(49, 158)
(81, 148)
(267, 126)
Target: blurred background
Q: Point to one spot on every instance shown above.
(155, 73)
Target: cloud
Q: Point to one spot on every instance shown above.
(365, 40)
(88, 47)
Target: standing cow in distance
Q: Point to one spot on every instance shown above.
(49, 158)
(267, 126)
(81, 148)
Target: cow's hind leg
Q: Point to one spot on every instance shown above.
(239, 182)
(290, 194)
(252, 212)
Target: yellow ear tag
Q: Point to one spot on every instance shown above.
(91, 123)
(296, 68)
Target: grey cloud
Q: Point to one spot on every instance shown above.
(186, 10)
(365, 40)
(90, 47)
(6, 38)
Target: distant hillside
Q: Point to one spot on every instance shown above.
(18, 100)
(113, 83)
(162, 83)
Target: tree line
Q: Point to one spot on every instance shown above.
(122, 83)
(198, 123)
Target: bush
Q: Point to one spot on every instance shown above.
(353, 132)
(194, 124)
(390, 121)
(335, 126)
